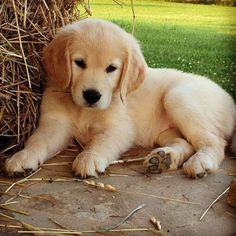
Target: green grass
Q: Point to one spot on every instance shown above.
(194, 38)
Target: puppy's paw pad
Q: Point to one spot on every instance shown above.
(158, 161)
(161, 153)
(167, 160)
(153, 161)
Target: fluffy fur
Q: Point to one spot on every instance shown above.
(189, 117)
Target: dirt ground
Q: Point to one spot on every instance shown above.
(176, 201)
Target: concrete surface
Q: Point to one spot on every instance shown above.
(82, 207)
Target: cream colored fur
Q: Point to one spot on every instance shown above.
(189, 117)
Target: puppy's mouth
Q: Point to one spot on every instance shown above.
(93, 106)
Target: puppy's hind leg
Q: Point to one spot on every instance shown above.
(198, 119)
(174, 151)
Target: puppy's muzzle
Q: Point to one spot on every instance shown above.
(91, 96)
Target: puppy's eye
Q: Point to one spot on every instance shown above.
(81, 63)
(110, 68)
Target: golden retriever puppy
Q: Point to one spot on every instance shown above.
(101, 91)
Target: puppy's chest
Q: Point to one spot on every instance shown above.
(86, 128)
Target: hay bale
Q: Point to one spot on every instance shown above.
(26, 27)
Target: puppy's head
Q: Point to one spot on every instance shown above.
(95, 60)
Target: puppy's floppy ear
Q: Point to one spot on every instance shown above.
(134, 69)
(56, 61)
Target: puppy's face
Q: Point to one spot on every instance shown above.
(96, 70)
(95, 60)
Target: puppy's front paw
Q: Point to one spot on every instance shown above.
(88, 164)
(20, 164)
(199, 165)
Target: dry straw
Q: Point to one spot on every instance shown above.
(26, 26)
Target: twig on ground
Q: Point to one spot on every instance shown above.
(162, 198)
(64, 155)
(8, 203)
(11, 226)
(84, 232)
(113, 163)
(128, 160)
(22, 180)
(7, 216)
(126, 218)
(57, 223)
(49, 232)
(47, 180)
(117, 175)
(30, 229)
(13, 197)
(10, 182)
(204, 213)
(15, 210)
(81, 145)
(64, 163)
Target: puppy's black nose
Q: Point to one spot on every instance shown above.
(91, 96)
